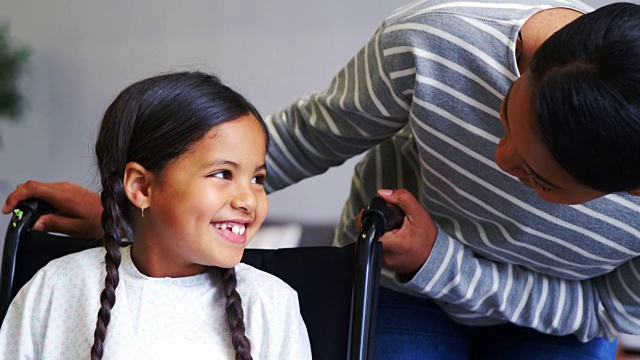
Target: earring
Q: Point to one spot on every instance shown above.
(142, 209)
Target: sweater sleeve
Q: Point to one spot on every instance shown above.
(359, 109)
(472, 286)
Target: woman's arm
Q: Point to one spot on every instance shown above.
(472, 286)
(362, 106)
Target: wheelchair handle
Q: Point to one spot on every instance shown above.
(390, 215)
(24, 216)
(377, 218)
(395, 217)
(28, 211)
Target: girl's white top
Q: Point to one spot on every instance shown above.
(54, 314)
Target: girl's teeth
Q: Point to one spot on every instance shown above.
(236, 229)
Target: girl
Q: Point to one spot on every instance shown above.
(182, 163)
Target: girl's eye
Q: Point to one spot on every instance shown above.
(258, 179)
(224, 174)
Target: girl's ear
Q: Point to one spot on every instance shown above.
(137, 182)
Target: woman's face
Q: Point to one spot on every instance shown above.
(522, 153)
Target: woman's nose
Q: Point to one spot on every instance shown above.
(509, 160)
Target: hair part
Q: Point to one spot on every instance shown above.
(586, 93)
(153, 122)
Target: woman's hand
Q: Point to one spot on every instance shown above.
(406, 249)
(80, 209)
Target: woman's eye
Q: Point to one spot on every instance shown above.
(503, 118)
(224, 174)
(537, 185)
(258, 180)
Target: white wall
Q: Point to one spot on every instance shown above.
(85, 52)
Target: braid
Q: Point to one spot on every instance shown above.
(112, 220)
(235, 315)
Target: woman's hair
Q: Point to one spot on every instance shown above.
(153, 122)
(586, 93)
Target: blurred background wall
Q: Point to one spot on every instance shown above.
(84, 52)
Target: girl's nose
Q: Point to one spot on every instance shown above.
(244, 199)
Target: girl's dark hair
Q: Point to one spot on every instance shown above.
(586, 92)
(152, 122)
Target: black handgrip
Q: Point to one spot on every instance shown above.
(376, 207)
(31, 209)
(395, 217)
(391, 215)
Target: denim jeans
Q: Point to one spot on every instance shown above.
(409, 328)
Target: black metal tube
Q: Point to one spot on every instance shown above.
(17, 225)
(367, 280)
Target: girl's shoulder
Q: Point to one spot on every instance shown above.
(72, 276)
(81, 270)
(262, 286)
(83, 265)
(272, 315)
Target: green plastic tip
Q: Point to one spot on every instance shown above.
(18, 213)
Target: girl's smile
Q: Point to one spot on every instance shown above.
(232, 231)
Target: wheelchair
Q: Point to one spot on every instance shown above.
(337, 287)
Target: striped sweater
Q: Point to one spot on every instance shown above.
(422, 98)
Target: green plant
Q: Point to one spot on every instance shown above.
(12, 64)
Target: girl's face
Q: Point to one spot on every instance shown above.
(207, 204)
(522, 153)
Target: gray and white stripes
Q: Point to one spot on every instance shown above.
(425, 94)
